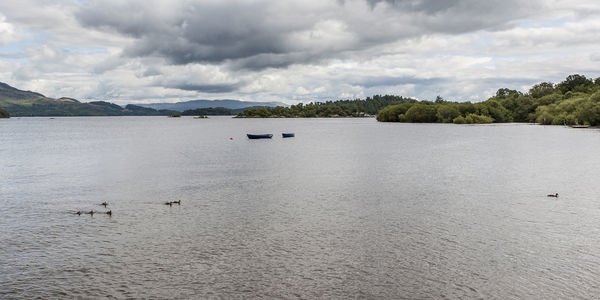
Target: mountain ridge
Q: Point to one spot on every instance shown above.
(202, 103)
(21, 103)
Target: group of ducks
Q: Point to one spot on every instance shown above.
(92, 212)
(105, 204)
(170, 203)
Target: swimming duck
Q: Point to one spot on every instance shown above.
(91, 212)
(78, 213)
(104, 203)
(169, 203)
(555, 195)
(176, 202)
(109, 212)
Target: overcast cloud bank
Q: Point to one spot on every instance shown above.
(166, 51)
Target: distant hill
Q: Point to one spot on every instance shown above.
(225, 103)
(27, 103)
(21, 103)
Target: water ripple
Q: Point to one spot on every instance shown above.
(347, 209)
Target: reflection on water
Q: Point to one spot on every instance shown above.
(347, 208)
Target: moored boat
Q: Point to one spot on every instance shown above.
(259, 136)
(287, 135)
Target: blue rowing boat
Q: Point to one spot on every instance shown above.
(259, 136)
(286, 135)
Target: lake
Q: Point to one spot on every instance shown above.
(349, 208)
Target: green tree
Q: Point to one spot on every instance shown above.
(4, 113)
(504, 92)
(478, 119)
(459, 120)
(465, 108)
(493, 109)
(543, 115)
(473, 119)
(392, 113)
(421, 113)
(588, 113)
(541, 89)
(595, 97)
(447, 113)
(575, 83)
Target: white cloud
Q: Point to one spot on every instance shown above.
(8, 33)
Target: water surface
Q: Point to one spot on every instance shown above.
(349, 208)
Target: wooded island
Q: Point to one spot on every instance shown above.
(328, 109)
(575, 101)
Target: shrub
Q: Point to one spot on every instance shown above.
(392, 112)
(544, 118)
(478, 119)
(421, 113)
(595, 97)
(4, 114)
(473, 119)
(447, 113)
(459, 120)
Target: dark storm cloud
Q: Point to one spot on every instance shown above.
(270, 60)
(263, 34)
(193, 32)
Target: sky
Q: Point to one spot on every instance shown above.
(143, 51)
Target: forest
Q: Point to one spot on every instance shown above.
(341, 108)
(210, 111)
(574, 101)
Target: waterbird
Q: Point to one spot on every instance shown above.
(104, 203)
(109, 212)
(91, 212)
(176, 202)
(555, 195)
(78, 213)
(169, 203)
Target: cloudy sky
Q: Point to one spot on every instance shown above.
(141, 51)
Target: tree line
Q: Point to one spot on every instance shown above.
(209, 111)
(574, 101)
(340, 108)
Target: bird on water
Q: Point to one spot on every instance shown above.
(91, 212)
(553, 195)
(104, 203)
